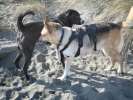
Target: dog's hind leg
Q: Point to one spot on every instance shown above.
(119, 66)
(105, 54)
(25, 69)
(27, 59)
(116, 58)
(122, 68)
(17, 60)
(62, 58)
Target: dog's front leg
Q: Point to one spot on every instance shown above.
(67, 64)
(58, 55)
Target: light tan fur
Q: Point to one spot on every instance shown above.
(111, 40)
(49, 31)
(111, 46)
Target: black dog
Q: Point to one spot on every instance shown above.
(30, 33)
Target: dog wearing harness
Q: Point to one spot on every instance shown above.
(71, 42)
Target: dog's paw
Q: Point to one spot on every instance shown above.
(109, 68)
(62, 78)
(120, 73)
(108, 71)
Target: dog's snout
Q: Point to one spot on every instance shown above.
(42, 33)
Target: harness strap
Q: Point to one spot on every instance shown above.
(59, 21)
(79, 36)
(93, 39)
(70, 40)
(92, 35)
(80, 44)
(62, 35)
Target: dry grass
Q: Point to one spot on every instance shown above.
(36, 7)
(120, 6)
(102, 9)
(114, 10)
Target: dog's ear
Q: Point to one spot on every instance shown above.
(67, 13)
(46, 20)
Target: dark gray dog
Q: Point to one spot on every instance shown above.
(30, 33)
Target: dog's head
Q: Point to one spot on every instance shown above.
(50, 31)
(71, 17)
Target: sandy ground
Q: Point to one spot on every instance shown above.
(88, 80)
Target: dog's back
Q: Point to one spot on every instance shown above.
(106, 37)
(107, 27)
(98, 30)
(29, 33)
(108, 32)
(95, 37)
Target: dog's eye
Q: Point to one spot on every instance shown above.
(56, 27)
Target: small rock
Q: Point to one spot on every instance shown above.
(51, 91)
(68, 96)
(40, 58)
(33, 89)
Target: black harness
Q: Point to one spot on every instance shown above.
(62, 35)
(72, 37)
(92, 33)
(80, 43)
(78, 35)
(59, 21)
(62, 58)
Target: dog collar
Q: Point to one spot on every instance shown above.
(61, 38)
(59, 21)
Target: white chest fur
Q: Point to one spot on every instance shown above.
(71, 49)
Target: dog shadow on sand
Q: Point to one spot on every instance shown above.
(92, 86)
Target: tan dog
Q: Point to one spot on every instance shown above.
(72, 43)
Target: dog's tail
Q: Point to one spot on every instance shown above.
(20, 19)
(129, 20)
